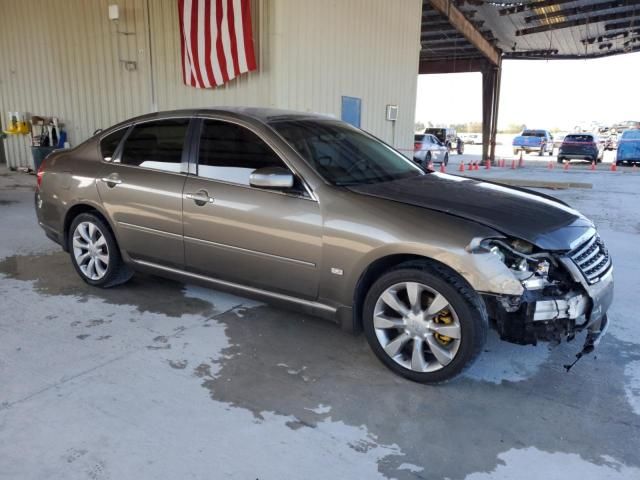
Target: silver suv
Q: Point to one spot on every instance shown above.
(308, 211)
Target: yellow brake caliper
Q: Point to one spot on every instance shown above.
(444, 317)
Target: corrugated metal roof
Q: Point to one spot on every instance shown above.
(537, 29)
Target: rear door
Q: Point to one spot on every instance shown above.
(141, 190)
(269, 239)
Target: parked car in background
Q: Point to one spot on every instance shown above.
(611, 141)
(427, 148)
(628, 147)
(310, 212)
(471, 138)
(581, 146)
(448, 138)
(558, 139)
(528, 141)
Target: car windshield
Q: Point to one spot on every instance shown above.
(533, 133)
(344, 155)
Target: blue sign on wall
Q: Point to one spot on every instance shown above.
(351, 107)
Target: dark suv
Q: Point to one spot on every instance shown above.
(581, 146)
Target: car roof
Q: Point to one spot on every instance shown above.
(263, 115)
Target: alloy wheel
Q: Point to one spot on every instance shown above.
(90, 250)
(417, 327)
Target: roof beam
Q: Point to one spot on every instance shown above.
(465, 27)
(581, 9)
(430, 66)
(620, 25)
(440, 36)
(578, 22)
(608, 53)
(610, 36)
(532, 6)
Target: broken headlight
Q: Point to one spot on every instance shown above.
(521, 257)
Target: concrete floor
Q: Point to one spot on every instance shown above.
(159, 380)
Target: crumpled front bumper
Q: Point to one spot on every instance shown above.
(535, 317)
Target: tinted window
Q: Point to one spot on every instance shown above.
(533, 133)
(110, 143)
(156, 145)
(229, 153)
(344, 155)
(578, 138)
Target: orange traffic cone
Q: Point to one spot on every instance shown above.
(461, 167)
(487, 165)
(521, 162)
(442, 168)
(476, 166)
(550, 165)
(430, 165)
(566, 166)
(614, 167)
(635, 168)
(593, 166)
(513, 165)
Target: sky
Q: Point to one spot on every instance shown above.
(539, 93)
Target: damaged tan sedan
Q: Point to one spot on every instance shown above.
(307, 211)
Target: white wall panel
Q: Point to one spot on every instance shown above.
(61, 58)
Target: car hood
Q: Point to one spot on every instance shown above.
(537, 218)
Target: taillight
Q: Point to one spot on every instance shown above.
(416, 146)
(40, 173)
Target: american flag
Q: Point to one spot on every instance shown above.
(216, 41)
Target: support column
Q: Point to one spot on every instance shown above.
(496, 105)
(490, 100)
(487, 109)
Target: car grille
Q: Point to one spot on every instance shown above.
(592, 258)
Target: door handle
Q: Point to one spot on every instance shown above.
(200, 197)
(112, 180)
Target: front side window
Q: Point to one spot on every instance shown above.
(344, 155)
(230, 153)
(109, 144)
(157, 145)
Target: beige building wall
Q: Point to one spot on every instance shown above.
(63, 58)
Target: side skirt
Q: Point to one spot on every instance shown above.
(286, 301)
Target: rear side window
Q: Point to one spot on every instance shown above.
(109, 144)
(578, 138)
(230, 152)
(157, 145)
(533, 133)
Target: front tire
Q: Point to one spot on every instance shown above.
(94, 252)
(424, 324)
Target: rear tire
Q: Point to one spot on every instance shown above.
(426, 349)
(94, 252)
(560, 160)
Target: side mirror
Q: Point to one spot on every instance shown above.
(271, 177)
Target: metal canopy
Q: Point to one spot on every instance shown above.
(529, 29)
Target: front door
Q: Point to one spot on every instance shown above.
(141, 190)
(268, 239)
